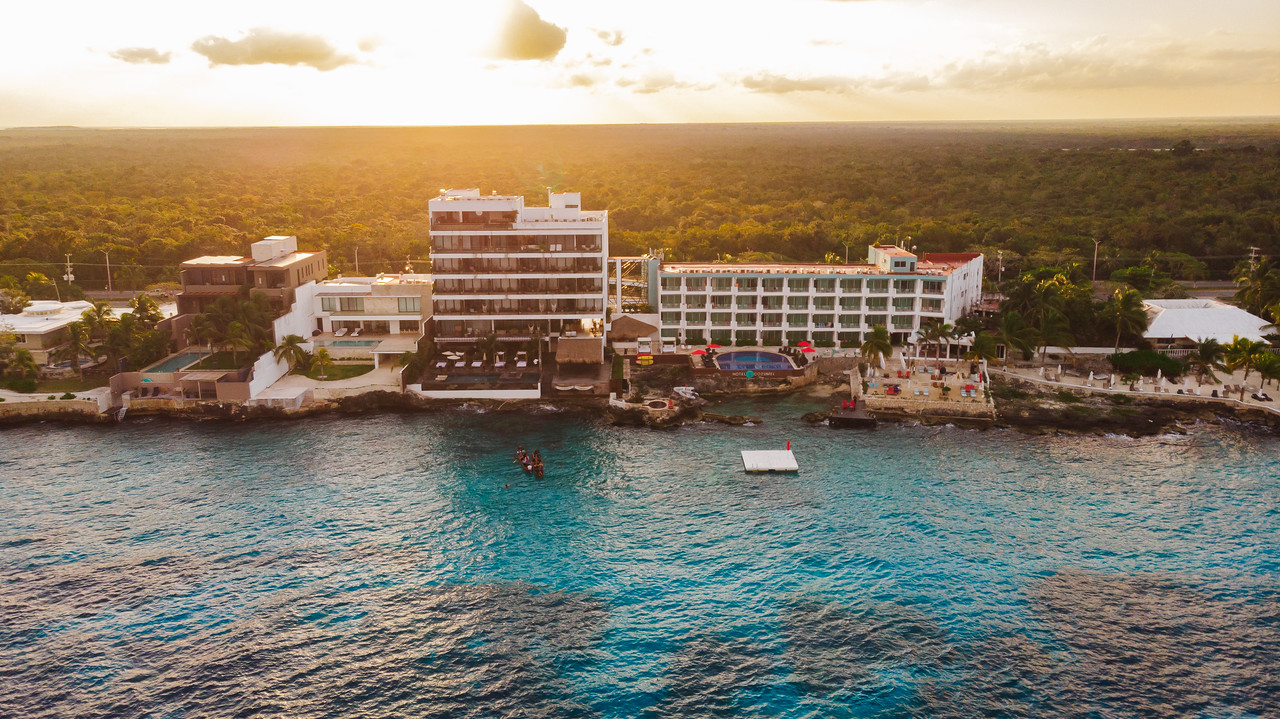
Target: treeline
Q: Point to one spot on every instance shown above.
(1040, 193)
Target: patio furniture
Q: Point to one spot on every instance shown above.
(340, 333)
(442, 377)
(355, 332)
(460, 364)
(441, 365)
(477, 364)
(522, 363)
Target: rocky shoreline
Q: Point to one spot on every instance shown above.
(1020, 406)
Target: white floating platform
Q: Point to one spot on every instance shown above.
(769, 460)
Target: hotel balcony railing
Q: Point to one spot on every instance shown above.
(927, 291)
(771, 324)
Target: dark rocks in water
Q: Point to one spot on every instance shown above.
(817, 417)
(716, 677)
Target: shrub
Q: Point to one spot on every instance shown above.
(53, 396)
(18, 384)
(825, 343)
(67, 395)
(1066, 396)
(1145, 362)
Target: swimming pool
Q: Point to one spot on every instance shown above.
(753, 360)
(176, 362)
(349, 343)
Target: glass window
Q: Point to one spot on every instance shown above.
(903, 322)
(721, 319)
(721, 284)
(747, 284)
(695, 318)
(746, 302)
(931, 287)
(850, 320)
(746, 318)
(798, 302)
(878, 286)
(771, 319)
(930, 305)
(850, 285)
(824, 320)
(823, 339)
(877, 304)
(851, 338)
(798, 319)
(351, 304)
(410, 326)
(695, 284)
(904, 304)
(771, 303)
(874, 320)
(824, 303)
(722, 337)
(696, 301)
(824, 284)
(721, 302)
(671, 283)
(409, 304)
(904, 286)
(671, 300)
(850, 303)
(670, 318)
(329, 304)
(771, 284)
(798, 284)
(771, 337)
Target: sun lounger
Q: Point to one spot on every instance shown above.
(583, 387)
(442, 377)
(522, 363)
(340, 333)
(459, 364)
(477, 363)
(499, 363)
(355, 332)
(441, 365)
(925, 391)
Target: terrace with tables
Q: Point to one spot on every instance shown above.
(468, 369)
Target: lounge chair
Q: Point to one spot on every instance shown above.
(926, 392)
(459, 363)
(499, 363)
(340, 333)
(355, 332)
(477, 364)
(522, 363)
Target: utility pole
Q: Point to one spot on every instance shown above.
(108, 254)
(1096, 242)
(68, 276)
(1253, 258)
(1000, 267)
(357, 262)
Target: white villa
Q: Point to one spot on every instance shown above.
(502, 268)
(41, 327)
(369, 316)
(776, 304)
(1182, 324)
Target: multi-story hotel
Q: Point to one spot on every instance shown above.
(772, 304)
(501, 268)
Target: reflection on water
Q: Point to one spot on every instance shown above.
(402, 565)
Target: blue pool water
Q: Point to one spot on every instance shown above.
(402, 565)
(752, 360)
(176, 362)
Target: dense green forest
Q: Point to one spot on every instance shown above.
(1041, 193)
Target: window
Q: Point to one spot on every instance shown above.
(351, 304)
(721, 302)
(773, 284)
(329, 304)
(798, 284)
(930, 305)
(850, 303)
(744, 338)
(798, 319)
(827, 284)
(905, 287)
(824, 320)
(671, 300)
(695, 284)
(904, 304)
(696, 301)
(670, 318)
(771, 337)
(875, 320)
(824, 303)
(878, 287)
(771, 319)
(798, 303)
(722, 337)
(931, 287)
(747, 284)
(771, 303)
(850, 320)
(409, 304)
(850, 338)
(850, 285)
(903, 322)
(746, 302)
(877, 304)
(721, 319)
(695, 318)
(746, 318)
(410, 326)
(671, 283)
(721, 284)
(823, 339)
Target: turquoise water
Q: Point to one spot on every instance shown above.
(752, 360)
(403, 565)
(176, 362)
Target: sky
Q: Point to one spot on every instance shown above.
(497, 62)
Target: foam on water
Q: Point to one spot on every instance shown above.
(403, 565)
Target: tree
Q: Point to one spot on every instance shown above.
(1015, 334)
(23, 365)
(983, 348)
(489, 347)
(239, 338)
(321, 362)
(13, 301)
(98, 319)
(878, 346)
(1244, 353)
(40, 286)
(1126, 313)
(202, 331)
(78, 345)
(291, 350)
(1207, 357)
(414, 363)
(930, 334)
(146, 310)
(1257, 285)
(1056, 331)
(1268, 365)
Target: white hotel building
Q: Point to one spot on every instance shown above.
(773, 304)
(502, 268)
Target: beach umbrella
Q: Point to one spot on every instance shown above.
(698, 352)
(1041, 370)
(713, 346)
(802, 343)
(808, 349)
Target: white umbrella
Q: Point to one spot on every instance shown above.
(1041, 370)
(1159, 374)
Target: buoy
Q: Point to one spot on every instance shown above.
(788, 445)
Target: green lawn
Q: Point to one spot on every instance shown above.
(71, 385)
(342, 371)
(224, 360)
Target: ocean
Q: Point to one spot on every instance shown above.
(403, 565)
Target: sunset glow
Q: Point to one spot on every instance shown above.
(571, 61)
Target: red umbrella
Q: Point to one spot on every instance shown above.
(698, 352)
(802, 343)
(808, 349)
(713, 346)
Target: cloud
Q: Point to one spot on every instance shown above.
(369, 44)
(776, 84)
(142, 55)
(263, 46)
(612, 38)
(526, 36)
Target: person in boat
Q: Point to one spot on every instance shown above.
(521, 455)
(537, 463)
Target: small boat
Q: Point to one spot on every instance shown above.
(524, 460)
(537, 464)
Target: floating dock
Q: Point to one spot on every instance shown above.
(769, 460)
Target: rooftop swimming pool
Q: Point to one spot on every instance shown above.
(349, 343)
(176, 362)
(752, 360)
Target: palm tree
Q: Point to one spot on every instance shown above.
(202, 331)
(239, 337)
(1055, 330)
(292, 351)
(1257, 285)
(879, 345)
(1015, 334)
(930, 334)
(321, 362)
(1268, 365)
(1207, 357)
(489, 347)
(414, 363)
(98, 319)
(23, 365)
(1125, 312)
(146, 310)
(946, 333)
(78, 345)
(983, 348)
(1244, 353)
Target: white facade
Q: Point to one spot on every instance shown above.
(774, 304)
(502, 268)
(41, 327)
(1189, 322)
(382, 305)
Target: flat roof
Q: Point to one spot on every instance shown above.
(893, 250)
(1200, 319)
(217, 260)
(782, 268)
(286, 260)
